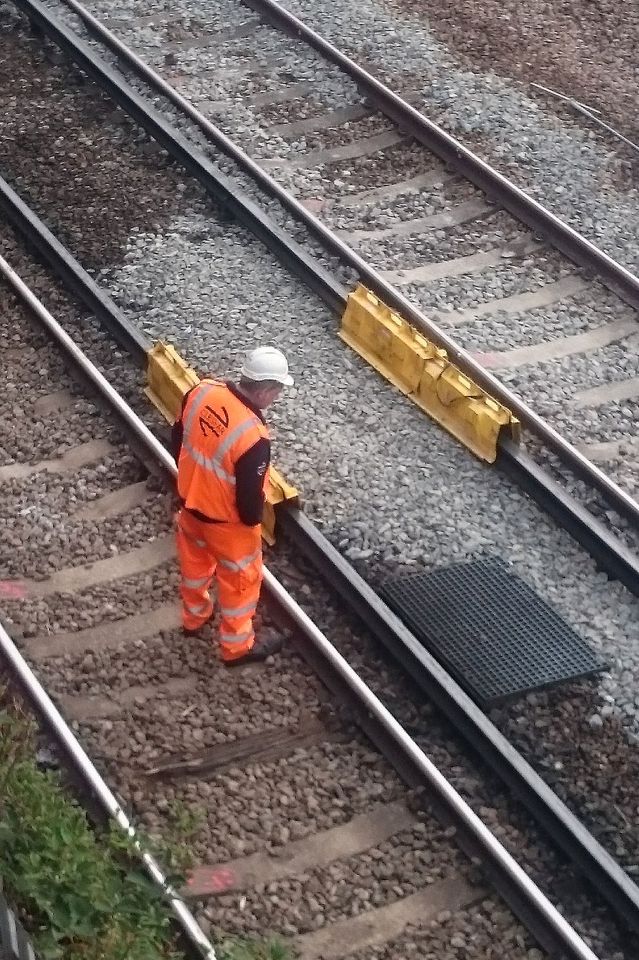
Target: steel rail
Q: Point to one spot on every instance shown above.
(20, 667)
(109, 803)
(607, 550)
(573, 244)
(615, 885)
(72, 274)
(434, 138)
(554, 925)
(610, 880)
(611, 554)
(217, 184)
(459, 708)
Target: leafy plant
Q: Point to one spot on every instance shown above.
(236, 949)
(183, 823)
(83, 894)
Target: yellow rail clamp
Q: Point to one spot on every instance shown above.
(277, 491)
(422, 371)
(168, 379)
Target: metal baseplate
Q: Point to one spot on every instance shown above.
(423, 372)
(169, 377)
(490, 630)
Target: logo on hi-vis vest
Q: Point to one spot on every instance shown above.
(218, 428)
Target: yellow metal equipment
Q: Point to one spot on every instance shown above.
(423, 372)
(168, 379)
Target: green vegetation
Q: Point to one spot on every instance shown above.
(252, 950)
(83, 894)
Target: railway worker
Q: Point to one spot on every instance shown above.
(222, 449)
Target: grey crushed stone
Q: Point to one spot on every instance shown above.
(322, 183)
(88, 170)
(335, 136)
(62, 612)
(519, 275)
(444, 196)
(448, 243)
(485, 930)
(182, 725)
(546, 384)
(551, 156)
(240, 811)
(75, 490)
(347, 888)
(588, 52)
(585, 779)
(43, 540)
(359, 421)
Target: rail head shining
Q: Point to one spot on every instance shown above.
(618, 498)
(574, 945)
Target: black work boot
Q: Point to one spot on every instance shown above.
(261, 649)
(197, 631)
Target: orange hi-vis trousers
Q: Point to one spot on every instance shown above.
(232, 553)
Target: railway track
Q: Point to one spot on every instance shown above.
(125, 336)
(568, 501)
(453, 238)
(300, 820)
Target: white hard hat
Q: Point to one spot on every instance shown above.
(267, 363)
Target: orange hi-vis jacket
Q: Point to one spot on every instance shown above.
(217, 430)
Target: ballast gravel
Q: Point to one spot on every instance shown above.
(72, 136)
(551, 155)
(322, 187)
(507, 280)
(216, 708)
(578, 776)
(347, 888)
(469, 936)
(352, 426)
(68, 612)
(372, 467)
(558, 159)
(244, 702)
(240, 813)
(590, 309)
(588, 51)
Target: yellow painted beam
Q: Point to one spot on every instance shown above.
(423, 372)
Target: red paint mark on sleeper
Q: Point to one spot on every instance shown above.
(13, 590)
(487, 360)
(211, 880)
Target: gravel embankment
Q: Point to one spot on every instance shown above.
(168, 695)
(559, 386)
(584, 50)
(388, 488)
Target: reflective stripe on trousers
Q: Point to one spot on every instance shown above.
(196, 572)
(233, 555)
(242, 563)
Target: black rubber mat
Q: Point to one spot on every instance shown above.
(490, 630)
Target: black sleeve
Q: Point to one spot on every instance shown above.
(177, 430)
(249, 481)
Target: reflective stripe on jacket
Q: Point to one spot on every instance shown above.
(217, 429)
